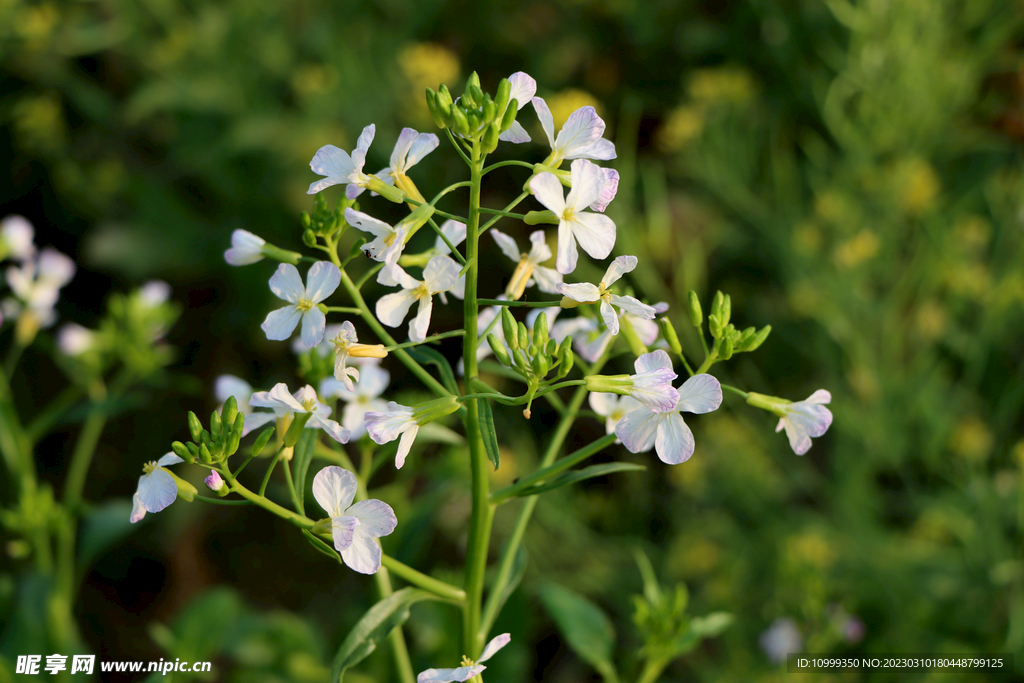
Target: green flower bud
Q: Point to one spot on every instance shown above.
(291, 437)
(205, 438)
(458, 121)
(473, 79)
(521, 362)
(524, 336)
(510, 115)
(195, 427)
(193, 450)
(434, 410)
(696, 314)
(435, 111)
(717, 303)
(758, 338)
(552, 348)
(669, 332)
(182, 452)
(636, 346)
(726, 309)
(501, 95)
(444, 98)
(566, 357)
(745, 338)
(205, 455)
(490, 111)
(238, 425)
(262, 440)
(229, 412)
(231, 446)
(500, 352)
(508, 327)
(541, 218)
(725, 348)
(609, 384)
(715, 325)
(304, 219)
(309, 238)
(490, 140)
(540, 331)
(215, 426)
(541, 365)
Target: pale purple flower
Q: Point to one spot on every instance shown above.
(37, 283)
(303, 401)
(157, 487)
(440, 275)
(321, 281)
(595, 232)
(339, 167)
(806, 419)
(780, 639)
(410, 148)
(584, 292)
(362, 398)
(387, 425)
(16, 235)
(666, 431)
(355, 528)
(528, 269)
(612, 408)
(469, 669)
(214, 481)
(609, 188)
(246, 248)
(74, 340)
(580, 137)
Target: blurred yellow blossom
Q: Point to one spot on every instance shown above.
(807, 238)
(725, 84)
(35, 23)
(970, 279)
(830, 206)
(39, 122)
(810, 548)
(971, 439)
(693, 555)
(683, 124)
(566, 102)
(427, 65)
(972, 234)
(856, 250)
(313, 79)
(917, 186)
(930, 320)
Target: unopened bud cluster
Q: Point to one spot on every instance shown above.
(531, 352)
(217, 443)
(728, 340)
(475, 111)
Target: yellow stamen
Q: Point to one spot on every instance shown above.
(520, 276)
(367, 351)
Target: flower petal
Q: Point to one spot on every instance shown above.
(342, 530)
(333, 429)
(463, 673)
(496, 643)
(138, 512)
(523, 89)
(363, 555)
(286, 283)
(424, 144)
(375, 517)
(418, 326)
(547, 279)
(608, 190)
(280, 324)
(391, 309)
(619, 266)
(547, 122)
(256, 420)
(227, 386)
(440, 274)
(321, 281)
(674, 440)
(246, 248)
(401, 151)
(654, 360)
(582, 127)
(313, 324)
(587, 183)
(700, 394)
(595, 232)
(515, 133)
(168, 459)
(603, 404)
(332, 162)
(584, 292)
(367, 223)
(362, 144)
(405, 445)
(548, 191)
(819, 396)
(638, 429)
(507, 245)
(610, 317)
(156, 490)
(568, 256)
(334, 489)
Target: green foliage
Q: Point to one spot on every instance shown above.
(585, 627)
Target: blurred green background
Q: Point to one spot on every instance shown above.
(849, 171)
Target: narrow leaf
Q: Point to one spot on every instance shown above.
(488, 432)
(321, 546)
(586, 628)
(707, 626)
(374, 627)
(303, 457)
(580, 475)
(425, 354)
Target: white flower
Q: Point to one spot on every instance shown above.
(455, 231)
(362, 398)
(388, 241)
(440, 274)
(154, 293)
(387, 425)
(16, 235)
(340, 168)
(227, 386)
(780, 639)
(246, 248)
(612, 408)
(651, 385)
(609, 188)
(468, 668)
(580, 137)
(595, 232)
(74, 340)
(38, 281)
(157, 487)
(346, 346)
(528, 269)
(321, 281)
(522, 91)
(354, 527)
(805, 419)
(666, 431)
(584, 292)
(410, 148)
(591, 340)
(303, 401)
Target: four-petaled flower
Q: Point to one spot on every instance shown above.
(340, 168)
(528, 269)
(246, 248)
(321, 281)
(410, 148)
(584, 292)
(38, 282)
(363, 398)
(612, 408)
(468, 668)
(440, 274)
(303, 401)
(595, 232)
(666, 431)
(158, 488)
(346, 346)
(388, 241)
(387, 425)
(522, 91)
(580, 137)
(353, 527)
(804, 419)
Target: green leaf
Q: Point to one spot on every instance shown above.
(580, 475)
(374, 627)
(429, 356)
(303, 456)
(320, 545)
(586, 628)
(707, 626)
(102, 527)
(488, 432)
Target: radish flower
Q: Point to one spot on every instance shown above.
(354, 528)
(388, 241)
(522, 91)
(469, 668)
(364, 397)
(528, 269)
(584, 292)
(321, 281)
(806, 419)
(302, 401)
(347, 346)
(580, 137)
(246, 248)
(158, 488)
(339, 167)
(612, 408)
(440, 275)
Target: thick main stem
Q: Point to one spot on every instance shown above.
(480, 521)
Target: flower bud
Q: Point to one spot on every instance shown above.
(668, 331)
(458, 121)
(541, 218)
(195, 427)
(193, 450)
(229, 412)
(726, 309)
(511, 109)
(541, 365)
(725, 348)
(490, 140)
(182, 452)
(500, 352)
(758, 338)
(215, 425)
(524, 336)
(214, 482)
(262, 440)
(566, 357)
(444, 98)
(716, 305)
(204, 454)
(552, 348)
(501, 95)
(521, 361)
(715, 325)
(435, 112)
(490, 111)
(696, 314)
(238, 425)
(540, 331)
(291, 437)
(309, 238)
(508, 327)
(304, 219)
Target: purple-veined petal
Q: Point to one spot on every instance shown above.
(547, 121)
(138, 512)
(674, 440)
(507, 245)
(333, 429)
(168, 459)
(405, 445)
(362, 144)
(610, 317)
(401, 151)
(819, 396)
(463, 673)
(700, 394)
(581, 128)
(654, 360)
(634, 307)
(515, 133)
(375, 517)
(522, 90)
(547, 279)
(342, 530)
(363, 555)
(496, 643)
(638, 429)
(286, 283)
(313, 324)
(619, 266)
(321, 281)
(280, 324)
(548, 191)
(595, 233)
(334, 489)
(246, 248)
(391, 309)
(256, 420)
(424, 144)
(332, 162)
(352, 190)
(584, 292)
(600, 149)
(587, 183)
(608, 190)
(156, 490)
(440, 274)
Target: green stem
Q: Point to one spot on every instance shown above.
(708, 362)
(270, 470)
(734, 390)
(543, 474)
(444, 238)
(398, 647)
(652, 669)
(450, 188)
(221, 501)
(367, 275)
(527, 304)
(343, 309)
(421, 580)
(458, 149)
(427, 340)
(512, 162)
(291, 488)
(298, 520)
(685, 364)
(515, 202)
(482, 511)
(506, 214)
